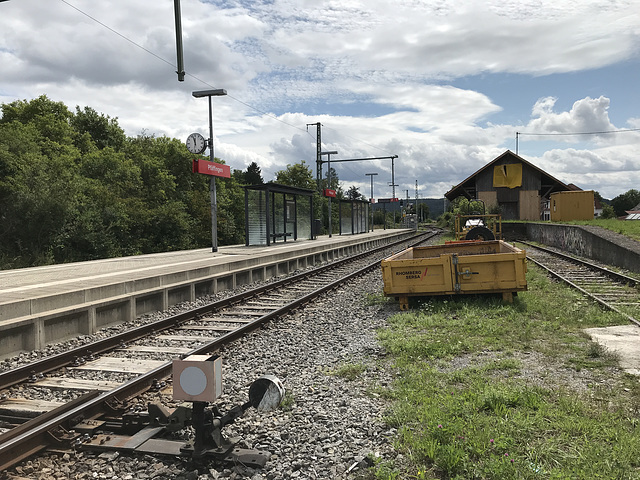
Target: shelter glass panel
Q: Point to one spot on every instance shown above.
(346, 218)
(257, 213)
(354, 217)
(304, 216)
(278, 219)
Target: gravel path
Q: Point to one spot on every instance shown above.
(330, 426)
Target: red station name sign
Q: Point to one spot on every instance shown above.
(328, 192)
(211, 168)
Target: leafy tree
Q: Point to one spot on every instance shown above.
(464, 206)
(51, 119)
(75, 187)
(239, 176)
(378, 217)
(354, 193)
(38, 187)
(297, 175)
(607, 211)
(104, 131)
(423, 211)
(625, 201)
(253, 175)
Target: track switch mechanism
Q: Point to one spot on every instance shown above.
(197, 380)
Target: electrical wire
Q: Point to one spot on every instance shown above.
(174, 66)
(361, 141)
(267, 114)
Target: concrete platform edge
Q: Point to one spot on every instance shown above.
(27, 325)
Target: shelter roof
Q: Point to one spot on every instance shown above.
(469, 185)
(279, 188)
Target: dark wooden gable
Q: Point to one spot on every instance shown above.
(533, 178)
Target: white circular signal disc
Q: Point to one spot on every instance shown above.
(193, 381)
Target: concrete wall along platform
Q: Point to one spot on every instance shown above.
(44, 305)
(583, 240)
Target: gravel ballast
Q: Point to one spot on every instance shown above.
(330, 426)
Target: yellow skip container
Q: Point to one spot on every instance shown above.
(455, 268)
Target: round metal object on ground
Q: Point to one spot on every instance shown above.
(266, 393)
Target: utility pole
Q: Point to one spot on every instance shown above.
(394, 209)
(393, 181)
(318, 154)
(328, 154)
(417, 204)
(405, 219)
(371, 175)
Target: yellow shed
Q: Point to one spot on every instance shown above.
(572, 205)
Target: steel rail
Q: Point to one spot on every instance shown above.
(30, 439)
(33, 443)
(579, 288)
(610, 273)
(54, 362)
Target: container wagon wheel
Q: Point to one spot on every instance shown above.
(479, 233)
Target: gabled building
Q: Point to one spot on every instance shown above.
(518, 187)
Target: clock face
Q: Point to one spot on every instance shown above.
(196, 143)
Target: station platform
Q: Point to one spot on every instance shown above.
(43, 305)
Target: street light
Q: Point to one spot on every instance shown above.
(212, 186)
(328, 154)
(371, 201)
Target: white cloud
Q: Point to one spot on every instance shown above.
(610, 171)
(586, 115)
(297, 59)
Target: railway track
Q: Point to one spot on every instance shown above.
(614, 291)
(84, 383)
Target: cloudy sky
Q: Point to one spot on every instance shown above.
(443, 84)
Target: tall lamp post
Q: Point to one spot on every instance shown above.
(371, 200)
(212, 186)
(328, 154)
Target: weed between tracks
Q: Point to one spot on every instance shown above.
(496, 391)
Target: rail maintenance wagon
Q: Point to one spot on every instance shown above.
(466, 267)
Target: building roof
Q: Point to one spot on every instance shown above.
(467, 187)
(635, 209)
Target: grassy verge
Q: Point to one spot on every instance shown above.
(628, 228)
(495, 391)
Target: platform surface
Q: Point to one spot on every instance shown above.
(624, 340)
(27, 283)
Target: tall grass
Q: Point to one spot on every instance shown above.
(489, 390)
